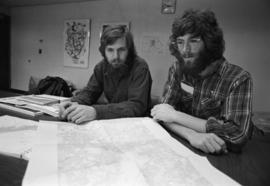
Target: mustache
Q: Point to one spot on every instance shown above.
(187, 55)
(116, 60)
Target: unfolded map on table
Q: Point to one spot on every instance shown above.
(131, 151)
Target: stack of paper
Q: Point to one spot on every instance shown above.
(14, 105)
(33, 105)
(52, 110)
(42, 99)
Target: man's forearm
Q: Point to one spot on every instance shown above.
(191, 122)
(119, 110)
(209, 143)
(179, 130)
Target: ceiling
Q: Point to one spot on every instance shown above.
(14, 3)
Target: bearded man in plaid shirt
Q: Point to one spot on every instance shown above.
(206, 100)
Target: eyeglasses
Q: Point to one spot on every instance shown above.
(193, 43)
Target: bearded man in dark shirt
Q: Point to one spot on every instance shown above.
(122, 78)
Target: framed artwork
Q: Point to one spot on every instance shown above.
(76, 43)
(168, 6)
(126, 25)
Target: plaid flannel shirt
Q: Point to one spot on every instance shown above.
(223, 98)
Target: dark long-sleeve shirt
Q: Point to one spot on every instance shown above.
(126, 90)
(223, 98)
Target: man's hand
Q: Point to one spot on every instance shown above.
(208, 142)
(163, 112)
(62, 107)
(77, 113)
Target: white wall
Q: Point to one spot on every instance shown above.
(245, 24)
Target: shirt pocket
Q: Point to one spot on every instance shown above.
(211, 106)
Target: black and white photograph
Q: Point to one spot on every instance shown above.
(134, 93)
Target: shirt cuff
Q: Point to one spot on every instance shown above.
(106, 111)
(214, 126)
(99, 111)
(73, 99)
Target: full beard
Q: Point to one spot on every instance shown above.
(198, 65)
(117, 67)
(117, 63)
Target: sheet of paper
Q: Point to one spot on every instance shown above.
(130, 151)
(42, 167)
(17, 136)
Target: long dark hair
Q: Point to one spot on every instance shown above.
(201, 23)
(111, 34)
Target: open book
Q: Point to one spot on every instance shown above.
(17, 136)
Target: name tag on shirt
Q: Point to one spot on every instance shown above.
(187, 88)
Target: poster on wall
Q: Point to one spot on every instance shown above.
(76, 43)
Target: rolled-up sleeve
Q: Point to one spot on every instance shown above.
(235, 125)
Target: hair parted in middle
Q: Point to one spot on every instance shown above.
(113, 33)
(201, 23)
